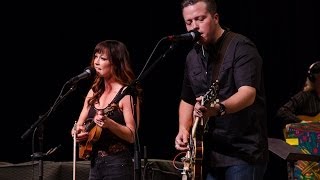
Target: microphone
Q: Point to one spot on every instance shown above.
(88, 71)
(192, 35)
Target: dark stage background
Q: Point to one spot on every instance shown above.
(48, 43)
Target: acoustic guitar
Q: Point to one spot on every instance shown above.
(305, 118)
(194, 156)
(94, 132)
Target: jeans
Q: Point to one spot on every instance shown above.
(115, 167)
(238, 172)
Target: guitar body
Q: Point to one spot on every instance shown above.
(94, 132)
(198, 149)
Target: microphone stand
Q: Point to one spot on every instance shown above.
(39, 125)
(143, 75)
(128, 90)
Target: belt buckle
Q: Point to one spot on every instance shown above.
(102, 153)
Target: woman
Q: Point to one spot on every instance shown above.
(109, 142)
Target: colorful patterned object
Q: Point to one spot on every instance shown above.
(308, 135)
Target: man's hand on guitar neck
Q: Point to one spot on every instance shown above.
(202, 111)
(199, 109)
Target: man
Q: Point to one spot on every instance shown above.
(235, 134)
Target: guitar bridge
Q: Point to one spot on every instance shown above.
(187, 161)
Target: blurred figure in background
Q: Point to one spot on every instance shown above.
(305, 105)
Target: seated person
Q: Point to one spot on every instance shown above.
(304, 106)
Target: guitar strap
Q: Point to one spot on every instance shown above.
(225, 43)
(118, 96)
(227, 37)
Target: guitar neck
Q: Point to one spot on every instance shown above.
(90, 125)
(196, 121)
(194, 127)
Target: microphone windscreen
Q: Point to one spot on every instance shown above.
(90, 70)
(196, 35)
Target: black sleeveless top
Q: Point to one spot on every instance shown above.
(109, 142)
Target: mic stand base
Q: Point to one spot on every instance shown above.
(39, 157)
(137, 166)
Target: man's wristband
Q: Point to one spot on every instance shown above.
(222, 109)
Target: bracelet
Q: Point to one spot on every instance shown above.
(222, 109)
